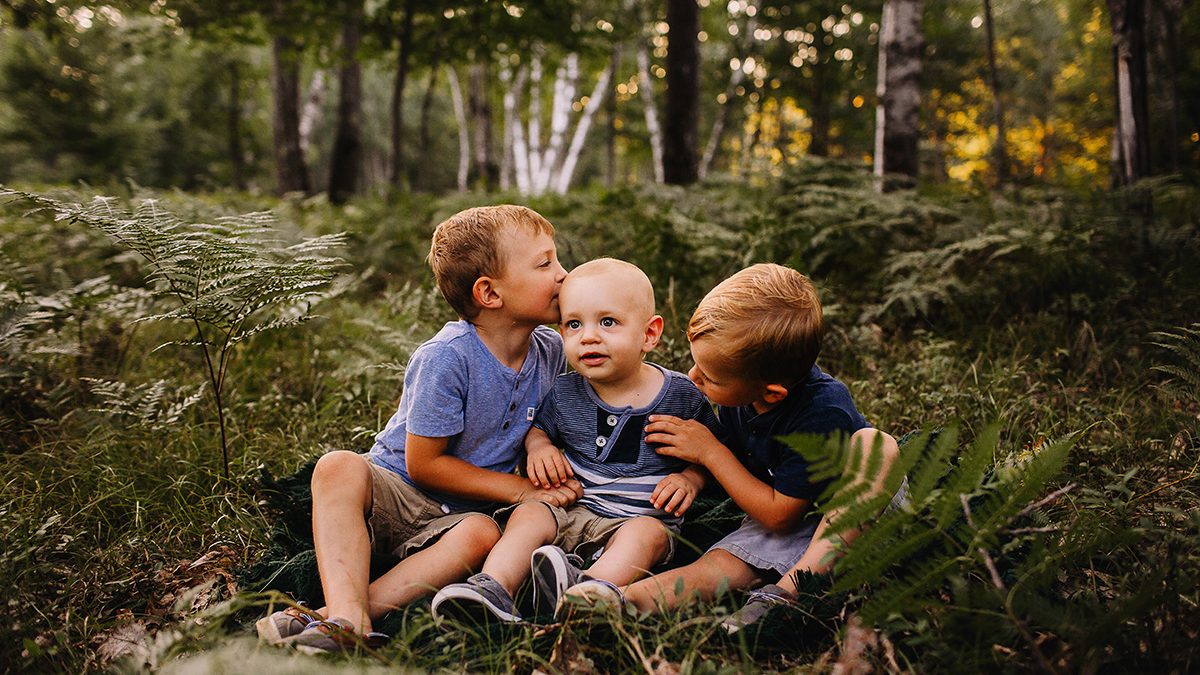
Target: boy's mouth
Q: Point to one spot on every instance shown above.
(592, 358)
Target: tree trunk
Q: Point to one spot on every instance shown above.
(610, 138)
(680, 163)
(317, 87)
(291, 175)
(416, 177)
(516, 132)
(464, 141)
(899, 90)
(584, 123)
(402, 59)
(345, 163)
(237, 163)
(565, 80)
(1000, 149)
(735, 78)
(822, 113)
(481, 119)
(650, 111)
(1132, 149)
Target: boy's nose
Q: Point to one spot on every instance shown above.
(694, 375)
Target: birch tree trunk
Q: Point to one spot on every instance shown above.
(735, 78)
(680, 163)
(1000, 149)
(899, 91)
(481, 119)
(534, 138)
(516, 131)
(560, 116)
(1132, 148)
(317, 88)
(464, 140)
(584, 124)
(650, 110)
(345, 164)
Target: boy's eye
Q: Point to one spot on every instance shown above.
(608, 322)
(573, 324)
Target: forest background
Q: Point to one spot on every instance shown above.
(997, 198)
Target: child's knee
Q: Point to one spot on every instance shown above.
(341, 470)
(481, 530)
(649, 533)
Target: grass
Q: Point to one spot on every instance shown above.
(121, 536)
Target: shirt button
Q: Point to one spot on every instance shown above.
(504, 426)
(612, 420)
(601, 441)
(512, 407)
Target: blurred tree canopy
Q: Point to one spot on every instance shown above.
(452, 95)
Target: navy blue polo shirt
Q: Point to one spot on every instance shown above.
(821, 405)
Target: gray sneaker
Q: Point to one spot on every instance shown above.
(756, 607)
(278, 626)
(554, 571)
(333, 635)
(590, 595)
(477, 601)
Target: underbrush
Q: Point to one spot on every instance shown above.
(1041, 315)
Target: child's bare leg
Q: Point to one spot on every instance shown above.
(822, 552)
(341, 491)
(701, 580)
(634, 548)
(529, 526)
(449, 559)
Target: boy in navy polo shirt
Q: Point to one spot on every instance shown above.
(754, 340)
(450, 450)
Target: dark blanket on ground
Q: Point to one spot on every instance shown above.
(289, 564)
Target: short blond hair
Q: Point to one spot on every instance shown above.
(766, 322)
(636, 285)
(466, 246)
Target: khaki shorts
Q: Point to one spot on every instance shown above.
(584, 532)
(403, 519)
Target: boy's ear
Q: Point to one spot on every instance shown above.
(774, 393)
(485, 293)
(654, 331)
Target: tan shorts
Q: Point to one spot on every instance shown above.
(403, 519)
(584, 532)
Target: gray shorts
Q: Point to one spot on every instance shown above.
(403, 519)
(754, 545)
(584, 532)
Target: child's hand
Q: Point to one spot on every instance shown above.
(547, 467)
(564, 495)
(688, 440)
(675, 493)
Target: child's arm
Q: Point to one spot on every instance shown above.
(546, 465)
(691, 441)
(431, 467)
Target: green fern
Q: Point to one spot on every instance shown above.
(151, 406)
(228, 280)
(1184, 344)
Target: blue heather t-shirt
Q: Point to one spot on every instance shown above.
(455, 388)
(606, 445)
(821, 405)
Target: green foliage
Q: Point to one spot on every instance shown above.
(229, 281)
(1184, 344)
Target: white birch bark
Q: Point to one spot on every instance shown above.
(565, 79)
(464, 143)
(516, 132)
(582, 126)
(899, 90)
(312, 108)
(645, 88)
(534, 138)
(735, 79)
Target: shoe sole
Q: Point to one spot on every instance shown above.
(268, 631)
(468, 606)
(549, 570)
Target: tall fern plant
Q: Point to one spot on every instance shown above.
(227, 280)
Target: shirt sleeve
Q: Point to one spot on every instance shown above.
(436, 382)
(546, 418)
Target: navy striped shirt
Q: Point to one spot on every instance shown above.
(606, 445)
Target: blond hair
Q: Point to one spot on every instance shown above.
(635, 284)
(765, 321)
(466, 246)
